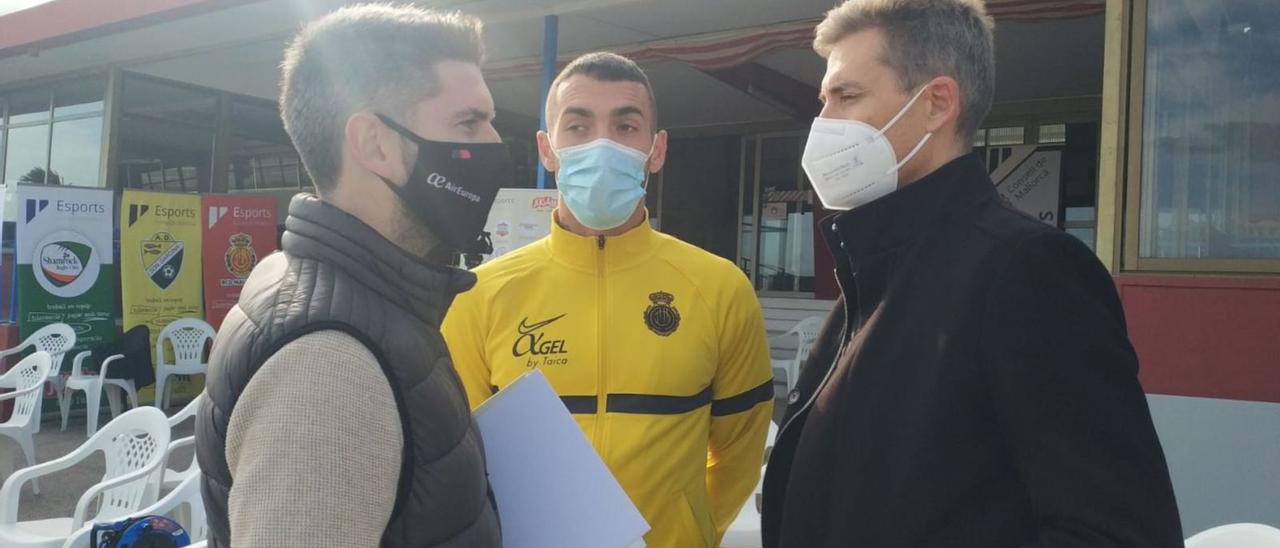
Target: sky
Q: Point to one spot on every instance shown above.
(10, 6)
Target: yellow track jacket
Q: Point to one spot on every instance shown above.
(658, 348)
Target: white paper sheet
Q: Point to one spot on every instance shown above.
(552, 489)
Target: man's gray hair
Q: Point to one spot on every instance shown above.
(925, 39)
(373, 57)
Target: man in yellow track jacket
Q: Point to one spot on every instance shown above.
(658, 348)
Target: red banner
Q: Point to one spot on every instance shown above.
(239, 231)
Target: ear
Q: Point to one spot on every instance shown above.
(943, 97)
(545, 153)
(374, 147)
(659, 156)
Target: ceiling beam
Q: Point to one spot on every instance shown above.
(784, 93)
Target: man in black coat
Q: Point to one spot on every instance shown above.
(975, 385)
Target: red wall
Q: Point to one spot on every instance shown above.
(1205, 337)
(8, 339)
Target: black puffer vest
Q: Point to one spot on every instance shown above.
(338, 273)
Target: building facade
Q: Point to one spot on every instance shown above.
(1155, 123)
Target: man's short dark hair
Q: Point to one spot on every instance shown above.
(605, 67)
(372, 57)
(925, 39)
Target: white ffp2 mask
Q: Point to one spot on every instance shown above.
(851, 163)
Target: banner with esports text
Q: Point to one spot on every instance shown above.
(239, 231)
(160, 268)
(66, 264)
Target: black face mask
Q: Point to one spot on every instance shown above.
(452, 187)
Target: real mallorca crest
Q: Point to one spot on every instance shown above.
(661, 317)
(240, 257)
(162, 259)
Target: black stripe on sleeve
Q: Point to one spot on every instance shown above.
(744, 401)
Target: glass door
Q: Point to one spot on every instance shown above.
(776, 240)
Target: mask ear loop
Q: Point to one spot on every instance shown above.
(652, 147)
(902, 112)
(912, 154)
(551, 145)
(894, 120)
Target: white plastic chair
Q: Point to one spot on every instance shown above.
(806, 332)
(182, 505)
(56, 339)
(170, 479)
(134, 449)
(92, 386)
(27, 381)
(744, 531)
(188, 336)
(1237, 535)
(185, 506)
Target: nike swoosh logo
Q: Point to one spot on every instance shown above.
(526, 329)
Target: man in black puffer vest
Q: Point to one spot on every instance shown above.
(334, 416)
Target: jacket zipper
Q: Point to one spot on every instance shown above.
(601, 301)
(845, 338)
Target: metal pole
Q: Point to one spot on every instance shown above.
(550, 37)
(13, 293)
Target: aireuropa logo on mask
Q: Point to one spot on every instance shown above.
(66, 264)
(443, 183)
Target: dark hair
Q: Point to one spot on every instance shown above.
(374, 57)
(925, 39)
(605, 67)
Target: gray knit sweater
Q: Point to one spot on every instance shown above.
(314, 446)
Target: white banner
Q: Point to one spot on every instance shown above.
(1030, 180)
(65, 260)
(519, 217)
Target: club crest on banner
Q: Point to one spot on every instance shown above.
(162, 258)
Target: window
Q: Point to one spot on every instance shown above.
(1006, 136)
(776, 234)
(262, 157)
(996, 144)
(166, 135)
(77, 149)
(27, 106)
(26, 154)
(1211, 121)
(1082, 223)
(1067, 196)
(53, 134)
(749, 201)
(1053, 134)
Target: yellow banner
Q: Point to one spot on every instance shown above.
(160, 263)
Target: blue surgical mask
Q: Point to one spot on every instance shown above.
(602, 181)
